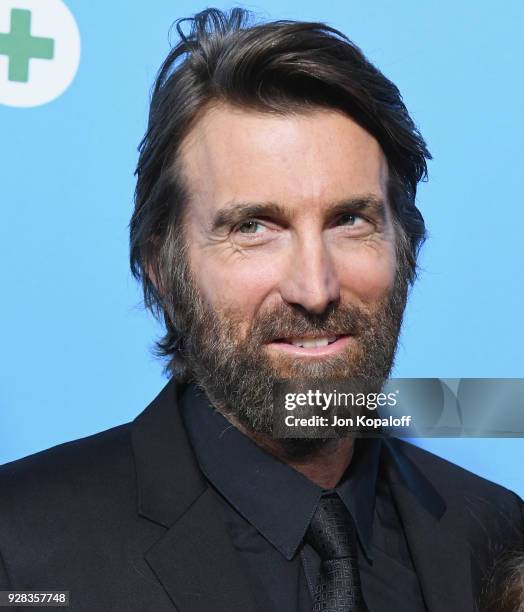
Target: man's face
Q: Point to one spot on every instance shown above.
(290, 252)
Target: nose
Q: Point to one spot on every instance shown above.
(311, 280)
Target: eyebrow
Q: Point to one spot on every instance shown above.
(234, 213)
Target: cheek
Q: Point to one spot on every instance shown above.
(235, 286)
(368, 274)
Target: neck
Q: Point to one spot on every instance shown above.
(325, 466)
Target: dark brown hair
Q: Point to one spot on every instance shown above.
(281, 67)
(504, 586)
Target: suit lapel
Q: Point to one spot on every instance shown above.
(196, 563)
(194, 560)
(441, 559)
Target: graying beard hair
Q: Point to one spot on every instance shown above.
(242, 388)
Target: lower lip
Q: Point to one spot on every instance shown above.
(318, 351)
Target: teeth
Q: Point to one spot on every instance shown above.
(312, 343)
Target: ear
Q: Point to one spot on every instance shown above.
(150, 273)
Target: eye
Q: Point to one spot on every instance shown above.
(249, 227)
(349, 219)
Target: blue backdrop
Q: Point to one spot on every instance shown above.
(75, 340)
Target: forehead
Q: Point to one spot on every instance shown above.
(308, 159)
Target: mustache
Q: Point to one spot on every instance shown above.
(286, 322)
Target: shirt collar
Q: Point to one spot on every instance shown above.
(276, 499)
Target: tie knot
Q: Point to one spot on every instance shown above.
(332, 531)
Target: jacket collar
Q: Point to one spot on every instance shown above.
(161, 450)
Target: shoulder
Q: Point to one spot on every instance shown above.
(447, 473)
(68, 503)
(68, 474)
(460, 487)
(69, 518)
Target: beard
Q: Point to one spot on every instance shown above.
(238, 374)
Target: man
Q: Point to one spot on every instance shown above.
(275, 233)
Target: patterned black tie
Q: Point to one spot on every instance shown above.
(332, 534)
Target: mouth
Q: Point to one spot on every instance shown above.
(311, 345)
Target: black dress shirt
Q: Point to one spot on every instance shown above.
(267, 507)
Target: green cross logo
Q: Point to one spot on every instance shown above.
(33, 32)
(20, 46)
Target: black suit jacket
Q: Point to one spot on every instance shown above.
(125, 521)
